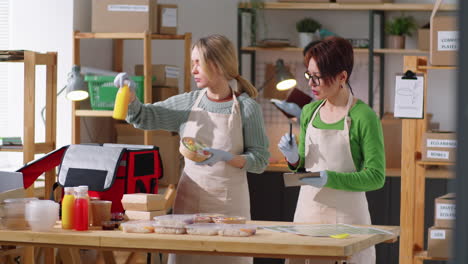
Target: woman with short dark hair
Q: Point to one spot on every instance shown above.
(341, 138)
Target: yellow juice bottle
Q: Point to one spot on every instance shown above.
(68, 203)
(121, 103)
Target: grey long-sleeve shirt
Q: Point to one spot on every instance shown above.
(173, 113)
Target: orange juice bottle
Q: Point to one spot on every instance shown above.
(121, 103)
(68, 203)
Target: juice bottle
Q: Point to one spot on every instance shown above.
(121, 103)
(90, 212)
(81, 213)
(68, 204)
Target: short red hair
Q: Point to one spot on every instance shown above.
(332, 55)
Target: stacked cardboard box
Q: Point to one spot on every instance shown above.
(439, 146)
(440, 235)
(143, 206)
(166, 80)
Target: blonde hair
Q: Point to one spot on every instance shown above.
(218, 51)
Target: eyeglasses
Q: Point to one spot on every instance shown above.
(315, 79)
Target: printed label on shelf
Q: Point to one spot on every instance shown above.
(445, 211)
(447, 40)
(438, 234)
(436, 154)
(172, 72)
(169, 17)
(127, 8)
(441, 143)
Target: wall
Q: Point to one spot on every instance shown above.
(39, 26)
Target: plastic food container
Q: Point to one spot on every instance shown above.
(236, 230)
(205, 218)
(193, 149)
(169, 229)
(229, 220)
(138, 227)
(14, 213)
(174, 220)
(206, 229)
(42, 215)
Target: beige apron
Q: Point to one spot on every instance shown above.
(330, 150)
(217, 189)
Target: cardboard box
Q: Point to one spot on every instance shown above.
(162, 93)
(391, 127)
(141, 215)
(143, 202)
(167, 23)
(165, 75)
(424, 38)
(168, 143)
(444, 38)
(363, 1)
(444, 215)
(439, 242)
(124, 16)
(439, 146)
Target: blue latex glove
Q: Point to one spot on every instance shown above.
(289, 150)
(288, 107)
(318, 182)
(217, 155)
(121, 78)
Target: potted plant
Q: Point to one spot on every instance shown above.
(397, 29)
(308, 30)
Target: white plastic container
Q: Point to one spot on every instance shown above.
(174, 220)
(13, 216)
(42, 215)
(169, 229)
(204, 229)
(229, 220)
(205, 218)
(138, 227)
(236, 230)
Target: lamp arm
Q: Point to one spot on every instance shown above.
(43, 108)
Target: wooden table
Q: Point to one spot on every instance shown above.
(264, 244)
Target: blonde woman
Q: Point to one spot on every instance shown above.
(223, 115)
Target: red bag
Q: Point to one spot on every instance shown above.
(109, 171)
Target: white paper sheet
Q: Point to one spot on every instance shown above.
(409, 97)
(10, 181)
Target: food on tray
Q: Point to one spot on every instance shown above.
(236, 230)
(193, 150)
(205, 229)
(205, 217)
(161, 229)
(138, 227)
(174, 220)
(229, 220)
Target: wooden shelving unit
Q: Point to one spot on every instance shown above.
(30, 146)
(357, 7)
(372, 51)
(414, 174)
(82, 110)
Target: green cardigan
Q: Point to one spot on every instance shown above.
(367, 148)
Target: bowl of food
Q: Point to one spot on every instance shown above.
(193, 149)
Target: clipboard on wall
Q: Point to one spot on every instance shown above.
(409, 95)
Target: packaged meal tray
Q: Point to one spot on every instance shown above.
(205, 217)
(174, 220)
(169, 229)
(138, 227)
(229, 220)
(193, 149)
(204, 229)
(237, 230)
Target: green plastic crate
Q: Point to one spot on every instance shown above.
(102, 91)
